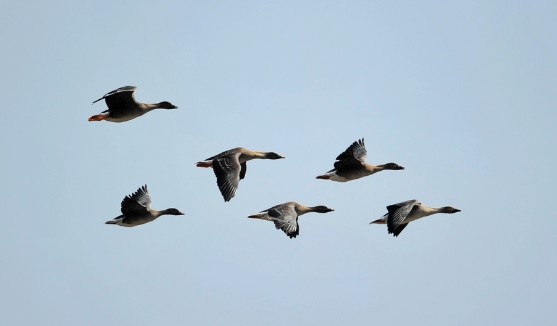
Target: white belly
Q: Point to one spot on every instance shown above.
(122, 119)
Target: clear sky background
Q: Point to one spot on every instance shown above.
(461, 93)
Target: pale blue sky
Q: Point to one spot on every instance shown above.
(461, 93)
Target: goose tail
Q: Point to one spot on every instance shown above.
(97, 117)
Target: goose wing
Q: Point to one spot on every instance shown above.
(120, 101)
(345, 168)
(399, 229)
(285, 218)
(397, 215)
(243, 170)
(137, 203)
(227, 170)
(357, 151)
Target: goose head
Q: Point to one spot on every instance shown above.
(322, 209)
(449, 210)
(392, 166)
(172, 211)
(273, 156)
(167, 105)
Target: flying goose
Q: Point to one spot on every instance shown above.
(136, 210)
(230, 167)
(285, 216)
(122, 106)
(399, 215)
(351, 165)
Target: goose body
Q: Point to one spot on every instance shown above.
(351, 165)
(136, 210)
(399, 215)
(285, 216)
(123, 107)
(230, 167)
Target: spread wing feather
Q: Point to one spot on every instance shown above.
(137, 203)
(227, 171)
(397, 215)
(355, 151)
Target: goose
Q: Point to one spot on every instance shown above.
(136, 210)
(285, 216)
(123, 107)
(230, 167)
(351, 165)
(399, 215)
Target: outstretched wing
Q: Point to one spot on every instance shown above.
(137, 203)
(399, 229)
(344, 168)
(119, 101)
(355, 151)
(397, 215)
(285, 218)
(227, 170)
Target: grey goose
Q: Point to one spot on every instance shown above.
(399, 215)
(285, 216)
(230, 167)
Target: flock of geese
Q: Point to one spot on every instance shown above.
(230, 167)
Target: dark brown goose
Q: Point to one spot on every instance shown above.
(122, 106)
(136, 210)
(351, 165)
